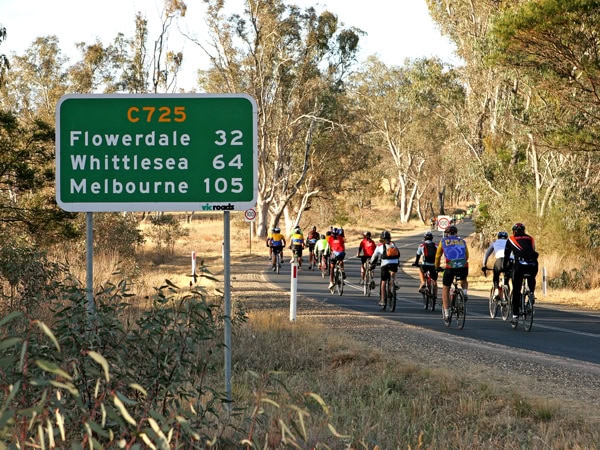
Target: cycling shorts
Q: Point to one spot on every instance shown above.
(337, 256)
(462, 272)
(431, 269)
(386, 271)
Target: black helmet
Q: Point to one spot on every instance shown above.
(385, 235)
(518, 228)
(428, 236)
(276, 230)
(322, 236)
(452, 230)
(502, 235)
(368, 234)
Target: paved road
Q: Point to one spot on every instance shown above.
(556, 331)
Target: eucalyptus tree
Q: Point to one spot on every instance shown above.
(556, 45)
(406, 109)
(293, 62)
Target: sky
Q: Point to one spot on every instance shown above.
(396, 29)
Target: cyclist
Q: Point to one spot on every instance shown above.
(311, 240)
(276, 244)
(297, 245)
(522, 246)
(365, 251)
(389, 255)
(322, 250)
(497, 248)
(427, 249)
(456, 253)
(338, 253)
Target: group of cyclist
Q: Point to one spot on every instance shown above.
(515, 255)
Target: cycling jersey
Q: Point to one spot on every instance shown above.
(379, 254)
(367, 247)
(276, 240)
(427, 249)
(455, 250)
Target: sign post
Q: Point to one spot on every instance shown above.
(250, 216)
(158, 152)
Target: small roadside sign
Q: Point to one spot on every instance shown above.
(250, 215)
(443, 222)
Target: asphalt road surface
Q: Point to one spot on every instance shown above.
(564, 332)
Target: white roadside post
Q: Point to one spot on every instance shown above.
(293, 291)
(544, 280)
(194, 276)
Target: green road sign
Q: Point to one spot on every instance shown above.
(160, 152)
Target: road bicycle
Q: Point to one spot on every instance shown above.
(428, 291)
(503, 300)
(390, 294)
(312, 258)
(369, 280)
(458, 307)
(526, 309)
(338, 278)
(324, 265)
(277, 259)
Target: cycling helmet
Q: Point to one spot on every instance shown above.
(385, 235)
(297, 230)
(368, 234)
(341, 232)
(518, 228)
(276, 230)
(428, 236)
(452, 230)
(322, 236)
(502, 235)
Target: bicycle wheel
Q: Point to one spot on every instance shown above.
(506, 302)
(392, 296)
(460, 308)
(493, 304)
(425, 295)
(528, 312)
(451, 311)
(430, 289)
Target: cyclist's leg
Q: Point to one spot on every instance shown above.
(496, 274)
(434, 276)
(447, 279)
(517, 281)
(533, 270)
(422, 277)
(464, 282)
(385, 276)
(362, 268)
(332, 260)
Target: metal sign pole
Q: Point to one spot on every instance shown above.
(227, 302)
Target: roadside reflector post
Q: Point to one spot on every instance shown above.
(194, 276)
(293, 291)
(544, 280)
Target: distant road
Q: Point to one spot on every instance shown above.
(556, 331)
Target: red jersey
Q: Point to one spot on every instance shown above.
(337, 244)
(367, 246)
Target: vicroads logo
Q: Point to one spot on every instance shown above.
(209, 207)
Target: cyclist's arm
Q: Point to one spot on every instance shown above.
(438, 256)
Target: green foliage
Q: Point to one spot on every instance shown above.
(88, 381)
(164, 232)
(27, 273)
(575, 279)
(117, 231)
